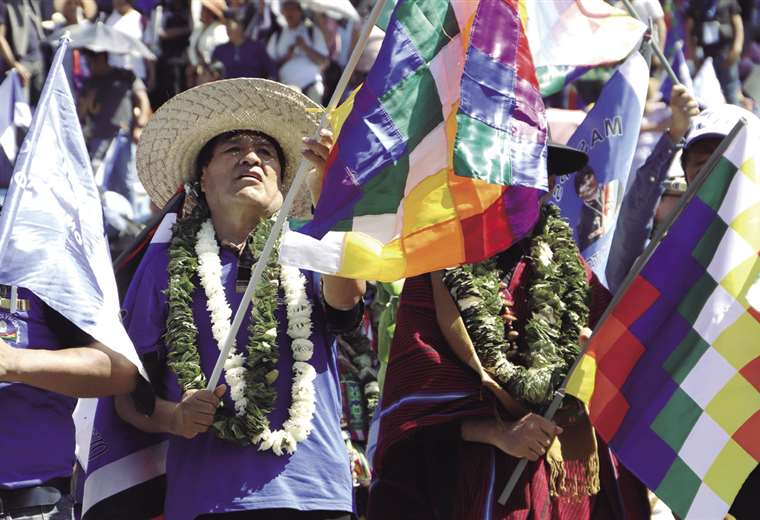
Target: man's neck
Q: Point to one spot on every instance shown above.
(235, 227)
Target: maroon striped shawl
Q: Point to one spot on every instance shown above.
(426, 386)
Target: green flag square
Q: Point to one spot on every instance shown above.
(679, 487)
(717, 183)
(685, 356)
(675, 421)
(708, 244)
(431, 24)
(696, 298)
(414, 106)
(385, 190)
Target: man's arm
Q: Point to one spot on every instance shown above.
(142, 111)
(637, 211)
(526, 438)
(662, 30)
(342, 294)
(85, 103)
(274, 54)
(90, 371)
(10, 59)
(738, 44)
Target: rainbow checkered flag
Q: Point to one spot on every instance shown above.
(672, 377)
(442, 159)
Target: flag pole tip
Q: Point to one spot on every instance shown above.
(65, 37)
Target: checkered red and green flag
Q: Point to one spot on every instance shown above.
(672, 377)
(442, 158)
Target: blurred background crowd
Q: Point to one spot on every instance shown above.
(304, 44)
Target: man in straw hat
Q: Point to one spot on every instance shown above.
(266, 443)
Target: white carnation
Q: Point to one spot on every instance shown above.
(298, 311)
(302, 349)
(470, 301)
(545, 254)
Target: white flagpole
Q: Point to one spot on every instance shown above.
(295, 187)
(14, 299)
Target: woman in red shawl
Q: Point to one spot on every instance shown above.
(455, 417)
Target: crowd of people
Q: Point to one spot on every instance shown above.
(194, 42)
(332, 345)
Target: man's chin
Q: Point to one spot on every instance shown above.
(256, 197)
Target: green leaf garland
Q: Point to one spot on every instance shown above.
(558, 298)
(181, 337)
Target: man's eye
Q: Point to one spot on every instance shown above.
(233, 149)
(263, 152)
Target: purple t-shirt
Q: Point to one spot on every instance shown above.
(250, 60)
(209, 475)
(36, 428)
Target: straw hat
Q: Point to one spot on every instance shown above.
(175, 135)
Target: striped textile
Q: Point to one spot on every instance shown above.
(442, 160)
(568, 37)
(672, 377)
(427, 391)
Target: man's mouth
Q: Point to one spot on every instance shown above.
(251, 175)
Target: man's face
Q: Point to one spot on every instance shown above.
(665, 208)
(588, 188)
(244, 170)
(697, 155)
(292, 13)
(235, 30)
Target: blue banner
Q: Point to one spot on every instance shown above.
(52, 240)
(590, 199)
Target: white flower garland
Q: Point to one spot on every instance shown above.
(298, 309)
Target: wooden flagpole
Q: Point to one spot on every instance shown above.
(295, 187)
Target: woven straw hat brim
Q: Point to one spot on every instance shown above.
(171, 141)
